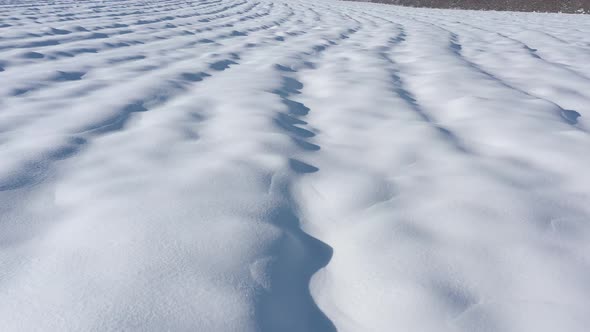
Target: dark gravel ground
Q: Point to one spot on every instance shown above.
(564, 6)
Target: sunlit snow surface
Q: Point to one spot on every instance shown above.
(292, 166)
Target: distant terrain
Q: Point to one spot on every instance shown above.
(555, 6)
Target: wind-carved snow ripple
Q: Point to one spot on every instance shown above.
(36, 169)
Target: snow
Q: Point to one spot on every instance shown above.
(270, 165)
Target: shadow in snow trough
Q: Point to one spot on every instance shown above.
(289, 306)
(570, 116)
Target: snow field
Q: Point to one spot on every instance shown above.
(292, 166)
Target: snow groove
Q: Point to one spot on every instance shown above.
(288, 306)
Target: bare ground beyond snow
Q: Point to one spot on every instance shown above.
(555, 6)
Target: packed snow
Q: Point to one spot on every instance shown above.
(274, 165)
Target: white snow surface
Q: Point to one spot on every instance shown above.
(270, 165)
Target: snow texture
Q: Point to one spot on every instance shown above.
(270, 165)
